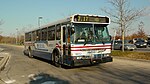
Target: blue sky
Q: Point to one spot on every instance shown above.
(19, 14)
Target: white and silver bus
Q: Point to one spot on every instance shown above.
(81, 39)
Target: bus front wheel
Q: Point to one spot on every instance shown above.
(56, 59)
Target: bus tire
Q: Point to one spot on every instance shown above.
(30, 53)
(56, 59)
(24, 52)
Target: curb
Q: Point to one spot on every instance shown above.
(4, 60)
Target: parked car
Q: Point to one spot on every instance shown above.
(148, 43)
(127, 46)
(148, 40)
(141, 44)
(139, 39)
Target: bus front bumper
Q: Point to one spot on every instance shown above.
(79, 62)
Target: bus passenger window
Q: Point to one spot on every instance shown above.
(38, 35)
(44, 34)
(51, 33)
(58, 32)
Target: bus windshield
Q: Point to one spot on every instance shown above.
(90, 33)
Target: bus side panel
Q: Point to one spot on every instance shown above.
(42, 54)
(41, 50)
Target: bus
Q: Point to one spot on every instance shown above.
(81, 39)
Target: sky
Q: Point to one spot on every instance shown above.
(22, 15)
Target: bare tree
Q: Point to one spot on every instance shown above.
(141, 33)
(122, 15)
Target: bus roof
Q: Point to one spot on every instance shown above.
(72, 19)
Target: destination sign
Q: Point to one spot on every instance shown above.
(82, 18)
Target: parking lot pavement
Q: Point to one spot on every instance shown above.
(4, 58)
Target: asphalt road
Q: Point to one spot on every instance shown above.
(24, 70)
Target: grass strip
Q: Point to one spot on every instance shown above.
(132, 54)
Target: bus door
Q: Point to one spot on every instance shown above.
(65, 43)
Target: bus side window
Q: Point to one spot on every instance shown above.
(38, 35)
(34, 36)
(44, 34)
(51, 33)
(28, 36)
(58, 32)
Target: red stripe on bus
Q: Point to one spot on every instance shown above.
(91, 46)
(90, 49)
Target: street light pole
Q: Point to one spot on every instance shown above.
(114, 40)
(16, 35)
(39, 23)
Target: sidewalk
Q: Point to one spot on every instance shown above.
(4, 58)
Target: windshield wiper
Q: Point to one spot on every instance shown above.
(103, 42)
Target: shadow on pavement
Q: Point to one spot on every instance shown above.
(44, 78)
(64, 66)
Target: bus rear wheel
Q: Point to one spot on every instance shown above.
(30, 53)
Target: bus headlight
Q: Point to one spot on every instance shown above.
(106, 55)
